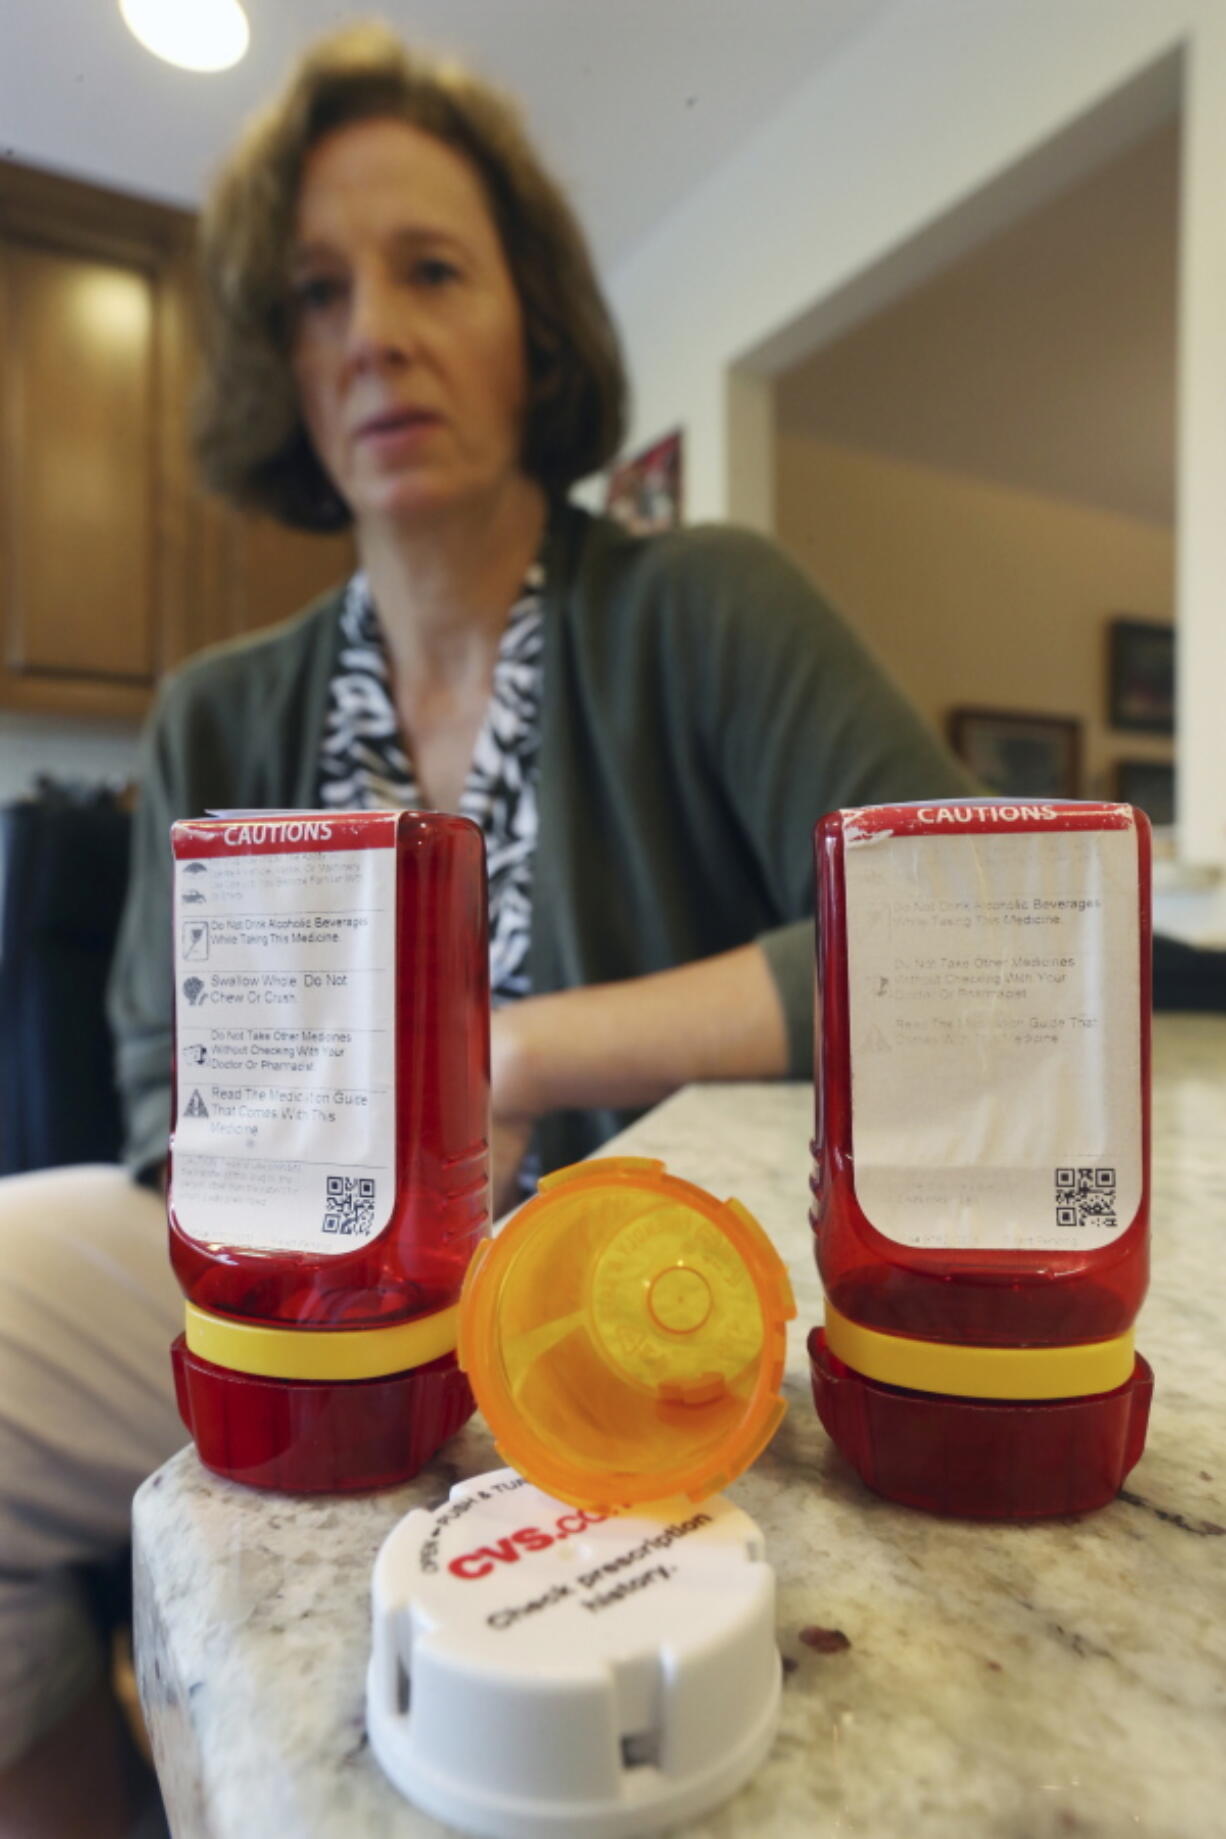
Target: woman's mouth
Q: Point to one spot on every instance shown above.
(397, 424)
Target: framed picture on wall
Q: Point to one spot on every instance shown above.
(1017, 754)
(644, 493)
(1141, 669)
(1150, 784)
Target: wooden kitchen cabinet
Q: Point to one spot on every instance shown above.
(114, 565)
(255, 571)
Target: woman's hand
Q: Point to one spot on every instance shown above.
(513, 1118)
(629, 1044)
(509, 1146)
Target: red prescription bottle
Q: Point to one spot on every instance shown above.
(329, 1174)
(981, 1161)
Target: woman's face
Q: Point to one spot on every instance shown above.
(408, 338)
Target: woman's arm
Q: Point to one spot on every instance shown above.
(631, 1043)
(141, 990)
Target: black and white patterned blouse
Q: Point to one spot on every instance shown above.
(363, 764)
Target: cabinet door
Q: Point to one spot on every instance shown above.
(114, 566)
(282, 570)
(256, 571)
(79, 537)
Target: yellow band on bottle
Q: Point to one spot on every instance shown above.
(981, 1372)
(321, 1353)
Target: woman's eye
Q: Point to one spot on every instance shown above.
(434, 271)
(317, 293)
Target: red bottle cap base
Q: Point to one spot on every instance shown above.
(983, 1459)
(319, 1437)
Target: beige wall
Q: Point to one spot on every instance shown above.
(975, 593)
(940, 126)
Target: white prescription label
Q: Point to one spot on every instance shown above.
(285, 1002)
(993, 985)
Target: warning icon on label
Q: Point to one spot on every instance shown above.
(876, 1043)
(195, 939)
(196, 1106)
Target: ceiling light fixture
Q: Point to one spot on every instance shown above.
(195, 34)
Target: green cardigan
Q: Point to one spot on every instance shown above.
(702, 707)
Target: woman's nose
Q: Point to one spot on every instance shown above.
(382, 324)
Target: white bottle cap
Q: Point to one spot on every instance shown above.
(544, 1669)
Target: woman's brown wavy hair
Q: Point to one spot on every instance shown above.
(250, 439)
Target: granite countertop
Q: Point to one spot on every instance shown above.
(944, 1680)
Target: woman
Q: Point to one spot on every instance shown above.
(404, 333)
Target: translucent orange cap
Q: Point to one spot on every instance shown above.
(625, 1336)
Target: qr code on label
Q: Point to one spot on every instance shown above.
(1085, 1197)
(349, 1204)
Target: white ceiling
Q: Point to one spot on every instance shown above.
(1044, 360)
(633, 101)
